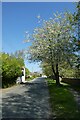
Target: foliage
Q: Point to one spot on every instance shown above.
(54, 42)
(36, 74)
(27, 72)
(77, 73)
(65, 70)
(32, 76)
(77, 38)
(46, 69)
(11, 69)
(19, 54)
(0, 64)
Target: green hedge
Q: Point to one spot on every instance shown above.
(11, 69)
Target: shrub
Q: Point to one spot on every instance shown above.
(11, 69)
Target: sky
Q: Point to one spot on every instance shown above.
(19, 17)
(0, 26)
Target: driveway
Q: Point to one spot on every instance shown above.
(29, 100)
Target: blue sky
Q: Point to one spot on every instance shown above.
(20, 17)
(0, 26)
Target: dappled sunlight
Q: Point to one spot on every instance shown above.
(32, 103)
(62, 101)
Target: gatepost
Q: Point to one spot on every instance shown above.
(23, 75)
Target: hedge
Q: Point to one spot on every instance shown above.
(11, 69)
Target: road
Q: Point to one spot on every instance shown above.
(29, 100)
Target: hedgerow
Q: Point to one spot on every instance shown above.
(11, 69)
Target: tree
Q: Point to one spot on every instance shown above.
(65, 70)
(19, 54)
(77, 38)
(46, 69)
(27, 72)
(53, 42)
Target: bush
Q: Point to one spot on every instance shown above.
(27, 72)
(11, 69)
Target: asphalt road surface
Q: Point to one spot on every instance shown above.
(29, 100)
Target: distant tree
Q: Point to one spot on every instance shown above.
(19, 54)
(27, 72)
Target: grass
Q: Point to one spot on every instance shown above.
(62, 101)
(31, 78)
(77, 88)
(28, 79)
(9, 86)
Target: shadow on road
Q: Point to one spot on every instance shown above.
(32, 102)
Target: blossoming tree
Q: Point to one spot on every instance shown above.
(53, 42)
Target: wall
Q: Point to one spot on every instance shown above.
(71, 81)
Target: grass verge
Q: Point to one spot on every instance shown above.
(28, 79)
(62, 102)
(77, 88)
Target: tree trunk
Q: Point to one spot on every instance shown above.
(57, 75)
(57, 79)
(53, 71)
